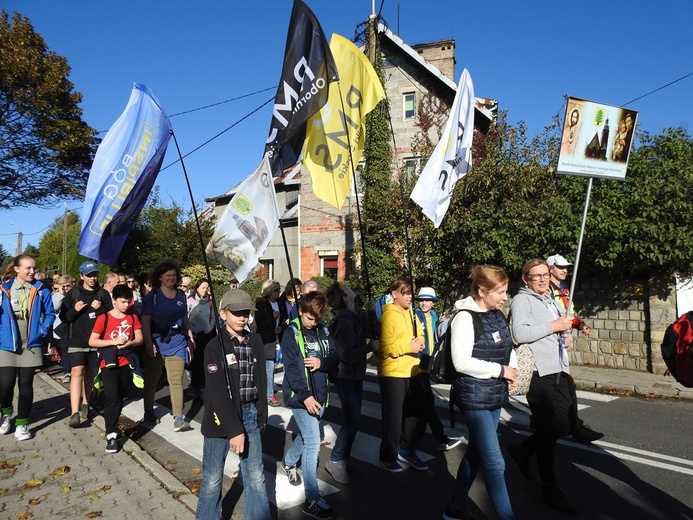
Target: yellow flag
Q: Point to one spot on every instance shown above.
(339, 127)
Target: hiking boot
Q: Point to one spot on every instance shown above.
(392, 466)
(84, 412)
(74, 420)
(556, 497)
(447, 444)
(586, 435)
(292, 474)
(410, 459)
(273, 401)
(455, 512)
(6, 425)
(112, 443)
(338, 471)
(22, 433)
(149, 420)
(180, 425)
(522, 459)
(318, 509)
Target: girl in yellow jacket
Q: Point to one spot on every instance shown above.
(401, 389)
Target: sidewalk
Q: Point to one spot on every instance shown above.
(64, 472)
(641, 384)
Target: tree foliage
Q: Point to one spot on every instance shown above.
(163, 232)
(51, 245)
(46, 148)
(512, 206)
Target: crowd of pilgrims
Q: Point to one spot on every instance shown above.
(125, 331)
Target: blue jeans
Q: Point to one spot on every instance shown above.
(269, 369)
(350, 395)
(483, 450)
(214, 453)
(306, 448)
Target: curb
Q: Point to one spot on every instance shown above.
(638, 390)
(174, 486)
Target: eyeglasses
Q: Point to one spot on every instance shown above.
(561, 267)
(183, 286)
(130, 281)
(538, 276)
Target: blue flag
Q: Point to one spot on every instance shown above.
(122, 175)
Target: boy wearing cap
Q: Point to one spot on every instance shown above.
(428, 319)
(234, 360)
(79, 311)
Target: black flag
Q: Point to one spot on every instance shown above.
(308, 69)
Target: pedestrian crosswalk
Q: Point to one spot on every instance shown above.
(365, 449)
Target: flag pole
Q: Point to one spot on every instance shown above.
(358, 204)
(579, 248)
(215, 310)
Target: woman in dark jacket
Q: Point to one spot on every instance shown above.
(267, 318)
(481, 348)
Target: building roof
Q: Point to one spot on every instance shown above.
(484, 106)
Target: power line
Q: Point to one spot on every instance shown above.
(219, 134)
(222, 102)
(214, 104)
(658, 89)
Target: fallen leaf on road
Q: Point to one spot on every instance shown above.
(105, 488)
(14, 463)
(34, 482)
(65, 489)
(59, 472)
(3, 491)
(196, 471)
(25, 516)
(34, 501)
(94, 496)
(94, 514)
(171, 462)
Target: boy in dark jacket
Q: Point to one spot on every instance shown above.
(309, 356)
(234, 421)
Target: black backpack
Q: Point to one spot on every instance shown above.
(441, 368)
(676, 349)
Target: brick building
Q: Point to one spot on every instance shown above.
(320, 238)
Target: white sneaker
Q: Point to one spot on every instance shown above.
(22, 433)
(6, 424)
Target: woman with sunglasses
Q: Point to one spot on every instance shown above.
(538, 321)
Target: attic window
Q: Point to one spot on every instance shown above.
(409, 99)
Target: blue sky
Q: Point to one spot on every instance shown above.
(525, 54)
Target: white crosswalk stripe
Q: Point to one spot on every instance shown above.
(366, 447)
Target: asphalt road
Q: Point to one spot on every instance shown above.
(642, 469)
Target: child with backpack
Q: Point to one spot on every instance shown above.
(309, 355)
(114, 334)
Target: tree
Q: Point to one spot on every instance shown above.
(51, 245)
(46, 148)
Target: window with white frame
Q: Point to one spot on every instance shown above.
(329, 266)
(409, 99)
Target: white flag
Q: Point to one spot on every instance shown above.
(247, 225)
(452, 158)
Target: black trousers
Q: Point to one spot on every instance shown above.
(115, 381)
(403, 414)
(553, 403)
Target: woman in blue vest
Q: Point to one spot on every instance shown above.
(482, 348)
(26, 317)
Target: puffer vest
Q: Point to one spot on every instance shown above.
(471, 393)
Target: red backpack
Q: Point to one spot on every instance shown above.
(676, 349)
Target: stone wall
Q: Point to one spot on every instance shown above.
(627, 321)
